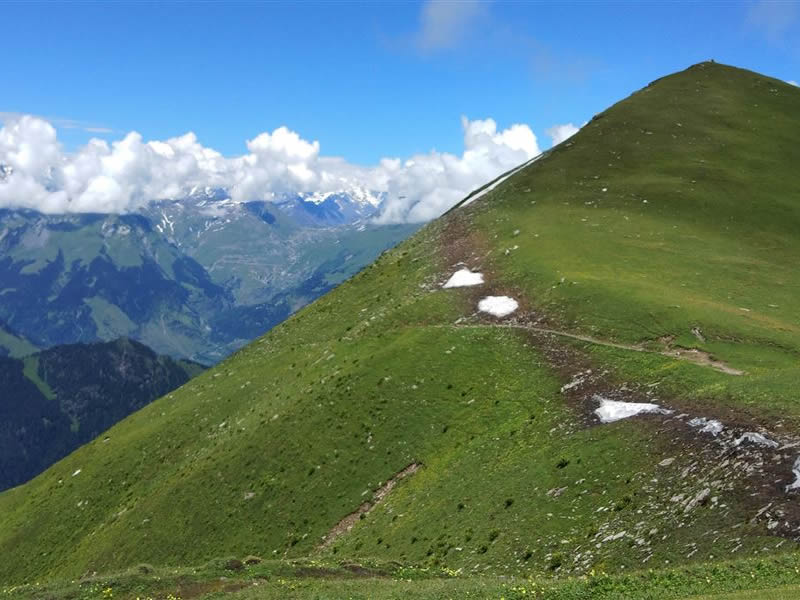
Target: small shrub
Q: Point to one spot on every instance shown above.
(556, 560)
(624, 503)
(145, 569)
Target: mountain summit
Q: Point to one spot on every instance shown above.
(608, 379)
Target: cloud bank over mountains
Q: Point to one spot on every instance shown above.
(128, 173)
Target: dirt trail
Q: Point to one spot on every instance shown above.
(698, 357)
(348, 522)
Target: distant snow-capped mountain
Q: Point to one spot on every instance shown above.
(195, 277)
(207, 208)
(333, 208)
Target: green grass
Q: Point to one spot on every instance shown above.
(266, 452)
(31, 371)
(696, 228)
(16, 346)
(783, 593)
(777, 577)
(110, 321)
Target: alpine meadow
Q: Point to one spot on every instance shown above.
(602, 403)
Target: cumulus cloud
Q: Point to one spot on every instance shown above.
(444, 23)
(426, 185)
(61, 123)
(792, 82)
(126, 174)
(559, 133)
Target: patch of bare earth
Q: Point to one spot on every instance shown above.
(700, 357)
(348, 522)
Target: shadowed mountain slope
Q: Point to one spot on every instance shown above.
(55, 400)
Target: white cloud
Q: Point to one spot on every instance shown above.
(792, 82)
(426, 185)
(445, 23)
(559, 133)
(126, 174)
(61, 123)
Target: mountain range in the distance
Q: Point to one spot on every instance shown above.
(195, 277)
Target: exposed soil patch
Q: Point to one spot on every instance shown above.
(701, 357)
(348, 522)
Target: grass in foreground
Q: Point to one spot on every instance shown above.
(231, 579)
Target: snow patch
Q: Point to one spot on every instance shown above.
(756, 438)
(464, 278)
(615, 410)
(499, 306)
(499, 181)
(711, 426)
(796, 471)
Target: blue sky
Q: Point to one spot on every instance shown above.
(366, 80)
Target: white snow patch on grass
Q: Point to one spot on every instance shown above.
(756, 438)
(796, 470)
(499, 306)
(614, 410)
(711, 426)
(489, 188)
(464, 278)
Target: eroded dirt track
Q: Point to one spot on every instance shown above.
(348, 522)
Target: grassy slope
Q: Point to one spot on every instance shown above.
(774, 578)
(16, 346)
(266, 452)
(697, 228)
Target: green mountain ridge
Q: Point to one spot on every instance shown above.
(650, 250)
(55, 400)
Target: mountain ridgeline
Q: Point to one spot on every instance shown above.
(55, 400)
(634, 405)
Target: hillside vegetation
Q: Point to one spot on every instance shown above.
(653, 258)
